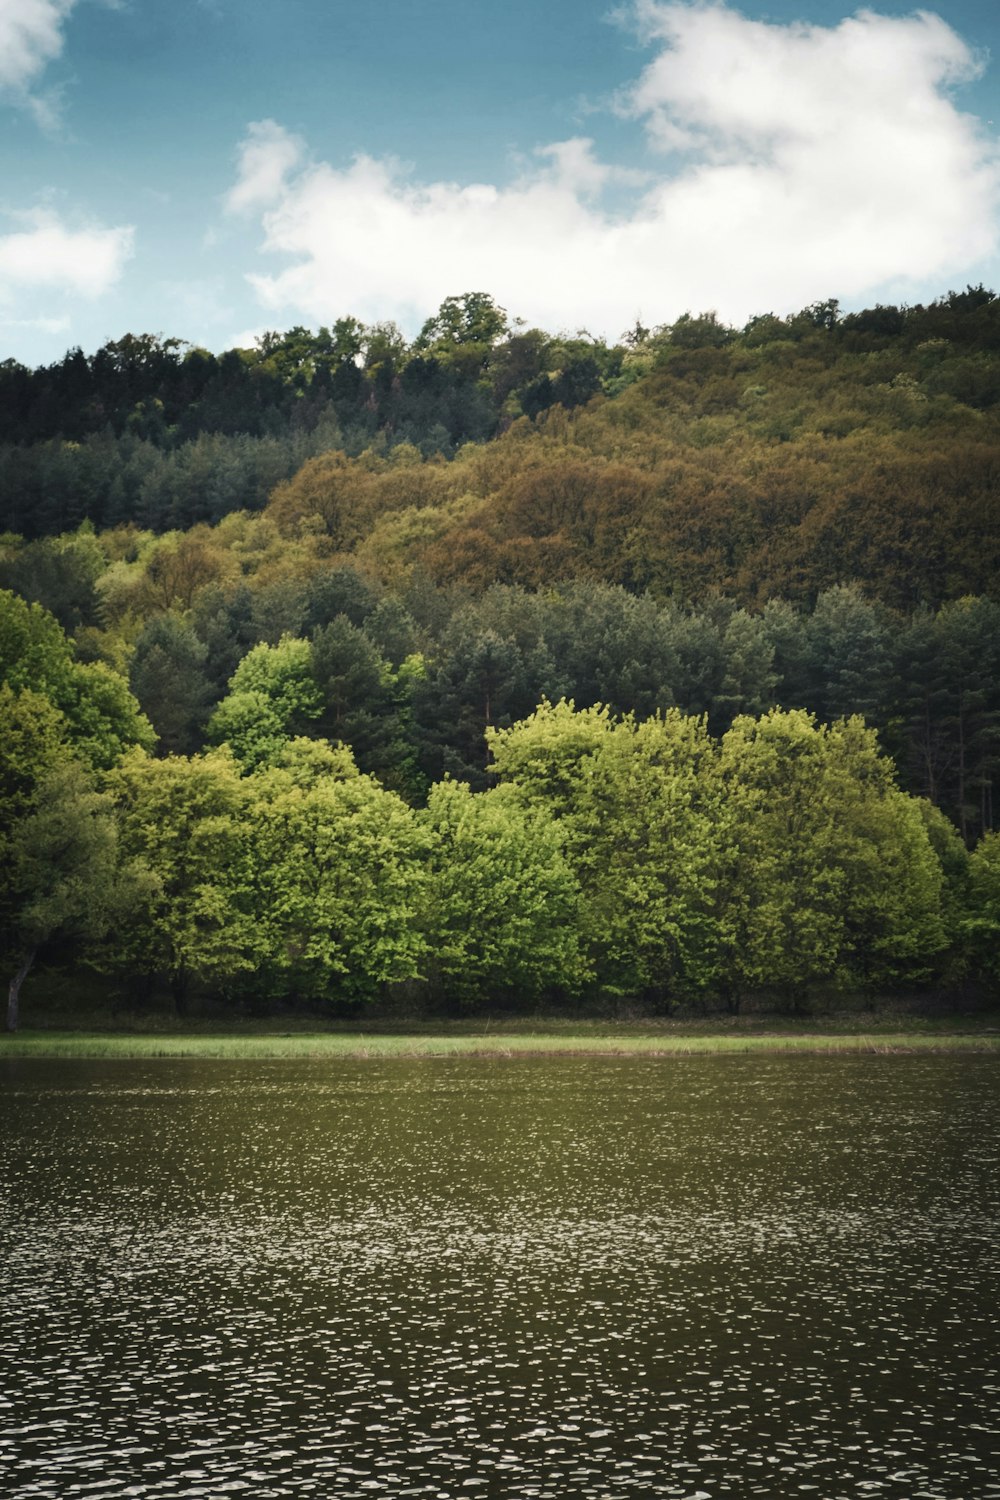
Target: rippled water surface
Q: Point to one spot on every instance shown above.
(693, 1277)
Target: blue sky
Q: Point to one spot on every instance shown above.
(212, 168)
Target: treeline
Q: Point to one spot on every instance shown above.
(158, 432)
(255, 582)
(470, 364)
(610, 854)
(255, 641)
(780, 458)
(613, 856)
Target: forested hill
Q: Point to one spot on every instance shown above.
(803, 513)
(294, 597)
(783, 459)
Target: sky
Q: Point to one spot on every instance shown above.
(211, 169)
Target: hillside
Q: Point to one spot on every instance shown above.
(777, 461)
(707, 619)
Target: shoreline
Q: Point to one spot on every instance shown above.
(357, 1045)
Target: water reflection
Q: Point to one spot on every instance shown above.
(687, 1277)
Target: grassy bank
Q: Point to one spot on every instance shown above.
(609, 1041)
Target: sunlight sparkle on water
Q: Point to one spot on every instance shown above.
(687, 1277)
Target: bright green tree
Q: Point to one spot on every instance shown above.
(32, 748)
(896, 903)
(830, 874)
(636, 805)
(341, 872)
(251, 726)
(272, 697)
(284, 674)
(982, 921)
(189, 821)
(33, 737)
(502, 912)
(102, 717)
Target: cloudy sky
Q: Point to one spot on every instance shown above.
(213, 168)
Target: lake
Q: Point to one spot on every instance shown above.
(691, 1277)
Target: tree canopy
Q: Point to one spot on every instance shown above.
(675, 661)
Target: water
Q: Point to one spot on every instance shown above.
(700, 1277)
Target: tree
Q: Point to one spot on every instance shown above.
(66, 876)
(478, 680)
(251, 727)
(354, 684)
(748, 678)
(272, 696)
(283, 673)
(189, 823)
(167, 675)
(338, 591)
(786, 631)
(700, 331)
(502, 900)
(225, 625)
(896, 901)
(33, 741)
(102, 717)
(953, 860)
(58, 573)
(982, 920)
(473, 318)
(341, 870)
(850, 647)
(945, 717)
(391, 629)
(830, 876)
(636, 805)
(178, 566)
(696, 639)
(33, 649)
(612, 647)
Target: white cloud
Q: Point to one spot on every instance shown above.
(267, 156)
(38, 325)
(30, 38)
(246, 338)
(785, 164)
(49, 255)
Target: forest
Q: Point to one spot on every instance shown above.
(501, 666)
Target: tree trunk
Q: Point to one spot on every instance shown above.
(14, 992)
(962, 809)
(179, 991)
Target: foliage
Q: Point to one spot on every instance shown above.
(784, 458)
(272, 696)
(341, 869)
(63, 874)
(982, 925)
(102, 717)
(634, 802)
(339, 556)
(830, 875)
(502, 900)
(186, 820)
(168, 677)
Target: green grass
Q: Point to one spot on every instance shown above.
(613, 1043)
